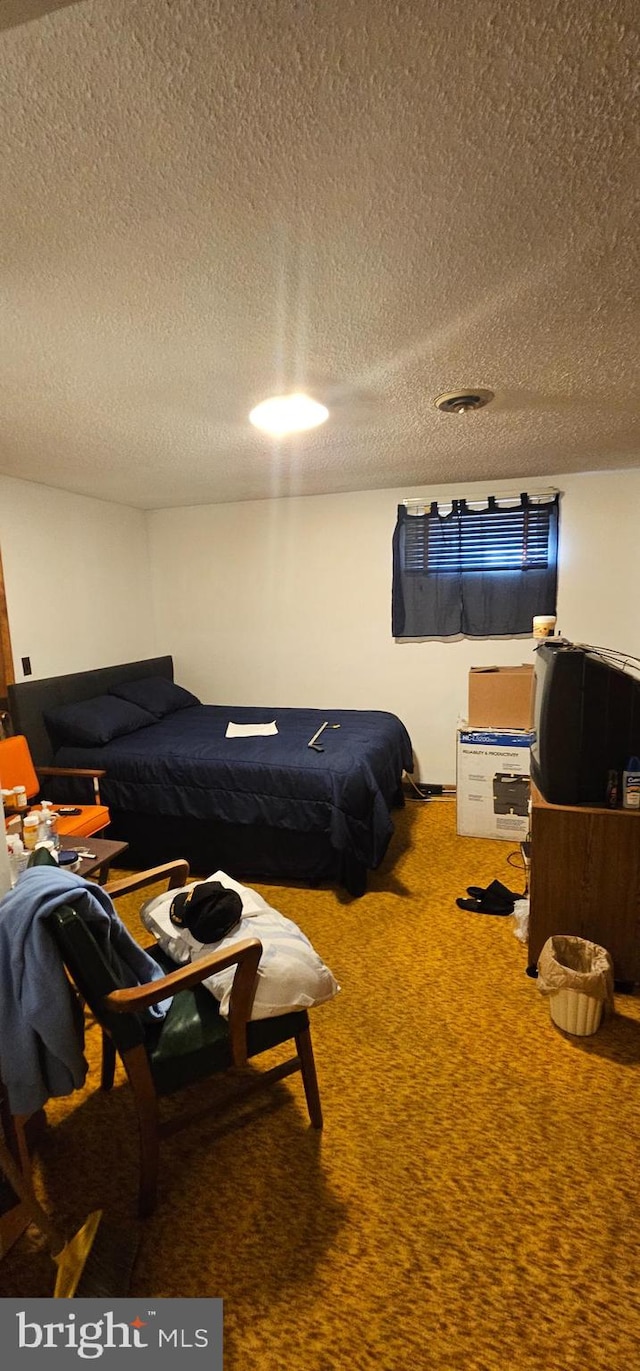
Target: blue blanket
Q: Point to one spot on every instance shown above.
(41, 1033)
(184, 766)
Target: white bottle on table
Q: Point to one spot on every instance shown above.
(30, 831)
(5, 865)
(17, 856)
(48, 827)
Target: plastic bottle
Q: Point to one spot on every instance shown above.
(20, 796)
(5, 868)
(48, 827)
(18, 858)
(631, 784)
(30, 831)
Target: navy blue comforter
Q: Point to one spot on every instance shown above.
(185, 766)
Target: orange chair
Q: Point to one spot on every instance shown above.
(17, 769)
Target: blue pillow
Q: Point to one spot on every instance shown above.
(91, 723)
(157, 694)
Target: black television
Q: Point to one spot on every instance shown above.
(586, 720)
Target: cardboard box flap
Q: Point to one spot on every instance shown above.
(525, 669)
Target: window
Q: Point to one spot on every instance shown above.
(474, 571)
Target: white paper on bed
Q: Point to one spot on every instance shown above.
(291, 975)
(250, 731)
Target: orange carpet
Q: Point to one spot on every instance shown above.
(472, 1202)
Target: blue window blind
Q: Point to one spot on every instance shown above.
(492, 539)
(478, 572)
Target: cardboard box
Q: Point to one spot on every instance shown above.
(500, 697)
(492, 783)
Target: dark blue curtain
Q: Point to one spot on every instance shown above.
(476, 572)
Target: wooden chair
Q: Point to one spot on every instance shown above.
(193, 1042)
(17, 768)
(16, 1132)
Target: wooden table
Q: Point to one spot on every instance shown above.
(103, 853)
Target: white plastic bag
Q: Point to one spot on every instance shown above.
(521, 916)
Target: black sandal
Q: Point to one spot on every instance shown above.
(485, 907)
(496, 891)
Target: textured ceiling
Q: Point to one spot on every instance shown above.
(202, 203)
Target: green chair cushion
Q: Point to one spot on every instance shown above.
(193, 1040)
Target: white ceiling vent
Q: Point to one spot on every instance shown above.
(459, 402)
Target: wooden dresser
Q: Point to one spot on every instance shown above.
(585, 879)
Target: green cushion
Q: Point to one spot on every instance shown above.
(193, 1040)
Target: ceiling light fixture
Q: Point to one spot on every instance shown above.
(460, 402)
(283, 414)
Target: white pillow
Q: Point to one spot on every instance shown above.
(290, 974)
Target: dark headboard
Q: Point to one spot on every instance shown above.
(28, 700)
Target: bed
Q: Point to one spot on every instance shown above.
(265, 807)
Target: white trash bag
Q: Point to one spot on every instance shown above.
(577, 976)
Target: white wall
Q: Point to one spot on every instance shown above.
(288, 602)
(77, 580)
(598, 598)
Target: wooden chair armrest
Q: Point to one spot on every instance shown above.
(69, 771)
(246, 955)
(90, 771)
(178, 873)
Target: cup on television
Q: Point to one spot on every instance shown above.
(544, 625)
